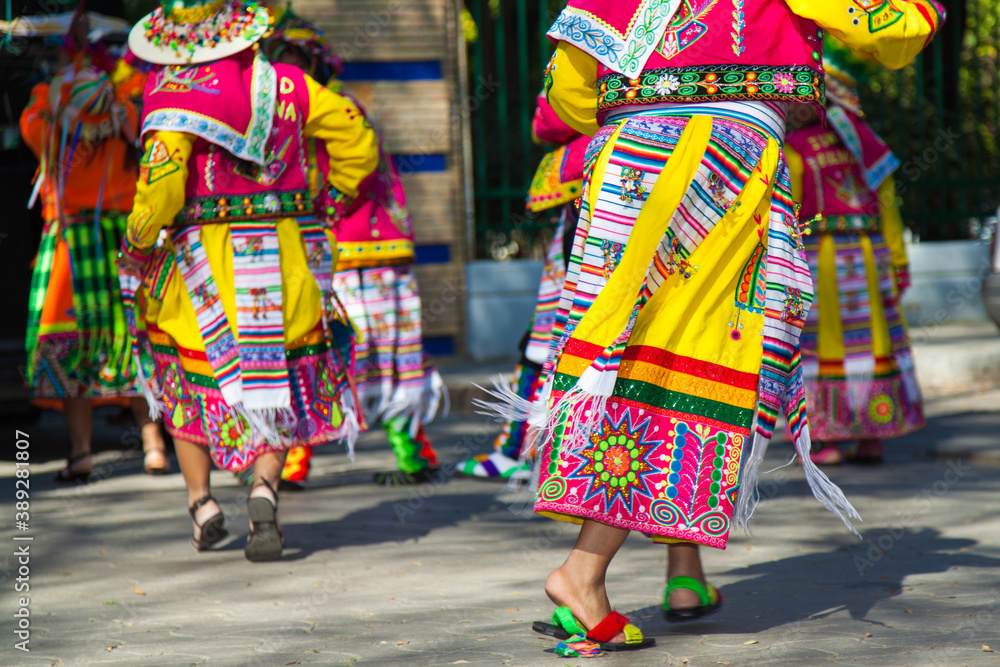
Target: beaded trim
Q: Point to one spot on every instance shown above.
(230, 208)
(843, 223)
(719, 83)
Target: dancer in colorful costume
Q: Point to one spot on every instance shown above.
(556, 187)
(397, 385)
(83, 127)
(241, 357)
(687, 289)
(860, 382)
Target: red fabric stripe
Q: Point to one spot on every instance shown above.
(583, 349)
(612, 624)
(930, 19)
(702, 369)
(181, 351)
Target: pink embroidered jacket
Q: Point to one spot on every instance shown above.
(377, 229)
(248, 162)
(684, 51)
(559, 177)
(843, 166)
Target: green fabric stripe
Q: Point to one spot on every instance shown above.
(36, 299)
(650, 394)
(306, 351)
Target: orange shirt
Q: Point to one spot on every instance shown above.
(90, 164)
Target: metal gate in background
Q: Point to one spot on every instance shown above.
(941, 115)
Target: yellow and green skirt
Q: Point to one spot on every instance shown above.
(76, 339)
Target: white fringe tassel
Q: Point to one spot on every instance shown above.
(825, 491)
(749, 494)
(419, 404)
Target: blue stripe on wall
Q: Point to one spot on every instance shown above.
(432, 254)
(439, 346)
(398, 71)
(420, 162)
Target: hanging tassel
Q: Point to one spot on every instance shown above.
(823, 489)
(749, 495)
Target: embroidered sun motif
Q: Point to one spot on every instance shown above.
(615, 462)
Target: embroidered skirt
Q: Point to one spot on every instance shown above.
(393, 375)
(76, 339)
(240, 355)
(860, 381)
(679, 322)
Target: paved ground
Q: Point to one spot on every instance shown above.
(451, 573)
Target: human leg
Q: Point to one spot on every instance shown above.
(265, 541)
(79, 419)
(155, 461)
(687, 596)
(196, 464)
(579, 583)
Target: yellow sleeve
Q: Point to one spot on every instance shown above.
(796, 172)
(892, 223)
(159, 193)
(893, 33)
(571, 88)
(350, 141)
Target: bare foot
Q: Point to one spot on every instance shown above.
(590, 604)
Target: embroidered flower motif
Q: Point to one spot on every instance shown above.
(666, 84)
(881, 409)
(233, 433)
(785, 82)
(271, 203)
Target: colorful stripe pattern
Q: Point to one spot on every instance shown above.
(76, 343)
(539, 347)
(391, 373)
(221, 350)
(789, 297)
(259, 325)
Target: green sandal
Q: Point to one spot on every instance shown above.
(711, 600)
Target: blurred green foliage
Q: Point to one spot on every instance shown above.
(941, 116)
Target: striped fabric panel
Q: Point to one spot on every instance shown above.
(553, 277)
(788, 283)
(409, 356)
(259, 322)
(853, 297)
(898, 337)
(221, 350)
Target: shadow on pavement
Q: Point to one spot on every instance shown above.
(818, 585)
(410, 517)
